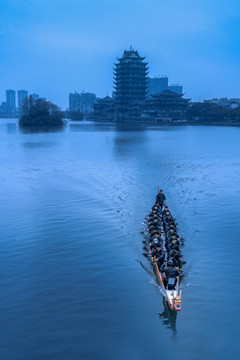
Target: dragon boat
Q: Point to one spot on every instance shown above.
(170, 285)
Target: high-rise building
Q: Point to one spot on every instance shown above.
(178, 89)
(82, 102)
(86, 102)
(130, 75)
(11, 101)
(74, 102)
(22, 95)
(3, 107)
(156, 85)
(35, 96)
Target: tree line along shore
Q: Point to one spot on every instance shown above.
(44, 113)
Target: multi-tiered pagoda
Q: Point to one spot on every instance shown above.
(129, 102)
(130, 82)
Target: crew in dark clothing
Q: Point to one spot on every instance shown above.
(153, 224)
(171, 272)
(169, 225)
(167, 215)
(177, 262)
(150, 227)
(176, 247)
(160, 199)
(159, 256)
(152, 235)
(155, 210)
(169, 245)
(172, 235)
(157, 251)
(172, 231)
(170, 238)
(156, 233)
(154, 244)
(151, 216)
(173, 252)
(164, 242)
(165, 211)
(173, 246)
(156, 225)
(172, 242)
(153, 220)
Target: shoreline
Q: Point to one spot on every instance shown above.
(154, 123)
(136, 121)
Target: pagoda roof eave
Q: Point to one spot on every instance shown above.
(167, 93)
(138, 58)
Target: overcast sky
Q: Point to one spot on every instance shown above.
(54, 47)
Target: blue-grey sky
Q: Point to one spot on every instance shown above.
(54, 47)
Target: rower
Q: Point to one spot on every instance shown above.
(175, 253)
(159, 256)
(173, 245)
(177, 262)
(171, 273)
(154, 243)
(166, 210)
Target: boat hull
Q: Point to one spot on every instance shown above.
(172, 296)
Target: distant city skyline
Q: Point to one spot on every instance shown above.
(13, 101)
(194, 43)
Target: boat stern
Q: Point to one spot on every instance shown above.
(174, 300)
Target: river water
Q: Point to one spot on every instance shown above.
(75, 279)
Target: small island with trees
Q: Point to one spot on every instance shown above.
(39, 113)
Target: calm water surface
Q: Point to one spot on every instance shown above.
(75, 280)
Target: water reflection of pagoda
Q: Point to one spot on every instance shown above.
(129, 97)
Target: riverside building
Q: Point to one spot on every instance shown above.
(130, 101)
(166, 106)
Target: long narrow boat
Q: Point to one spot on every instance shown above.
(171, 290)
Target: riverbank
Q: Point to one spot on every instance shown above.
(169, 123)
(138, 121)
